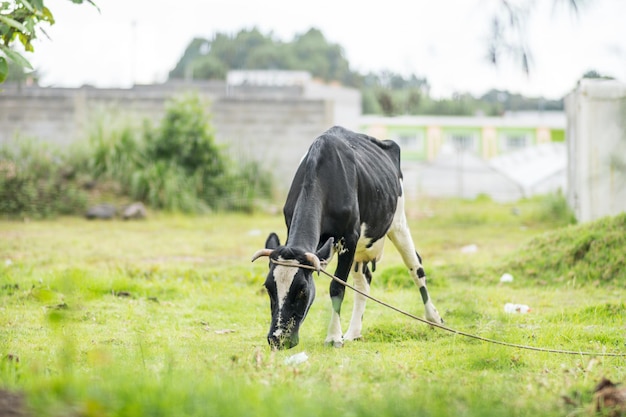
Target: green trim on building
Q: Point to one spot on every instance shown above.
(557, 135)
(424, 137)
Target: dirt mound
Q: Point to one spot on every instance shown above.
(592, 252)
(11, 404)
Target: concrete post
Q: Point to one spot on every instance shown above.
(596, 149)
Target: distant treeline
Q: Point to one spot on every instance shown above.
(387, 92)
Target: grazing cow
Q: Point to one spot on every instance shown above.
(346, 196)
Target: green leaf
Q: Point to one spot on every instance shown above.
(26, 42)
(13, 23)
(47, 14)
(27, 5)
(16, 57)
(4, 69)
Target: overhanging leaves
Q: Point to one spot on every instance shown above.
(4, 69)
(16, 57)
(19, 21)
(13, 23)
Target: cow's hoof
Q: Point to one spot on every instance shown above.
(334, 343)
(432, 315)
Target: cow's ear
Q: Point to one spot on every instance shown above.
(326, 251)
(272, 241)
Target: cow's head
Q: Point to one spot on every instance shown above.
(291, 288)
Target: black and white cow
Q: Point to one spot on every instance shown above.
(346, 196)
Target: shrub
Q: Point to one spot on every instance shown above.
(551, 208)
(185, 138)
(165, 185)
(176, 166)
(115, 150)
(37, 181)
(184, 148)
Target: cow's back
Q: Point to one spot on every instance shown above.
(348, 179)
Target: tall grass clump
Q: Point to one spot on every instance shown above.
(553, 208)
(37, 180)
(114, 149)
(246, 183)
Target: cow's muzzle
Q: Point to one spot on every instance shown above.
(283, 341)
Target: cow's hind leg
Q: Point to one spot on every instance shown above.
(400, 235)
(362, 278)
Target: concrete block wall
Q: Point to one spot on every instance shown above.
(277, 133)
(46, 115)
(273, 127)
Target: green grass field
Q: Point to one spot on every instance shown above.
(168, 317)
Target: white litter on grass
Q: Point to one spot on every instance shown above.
(224, 331)
(516, 308)
(296, 359)
(469, 249)
(8, 262)
(506, 278)
(254, 232)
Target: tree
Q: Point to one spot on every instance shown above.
(596, 75)
(20, 22)
(322, 59)
(251, 49)
(196, 49)
(385, 92)
(386, 102)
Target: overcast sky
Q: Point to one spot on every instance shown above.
(140, 41)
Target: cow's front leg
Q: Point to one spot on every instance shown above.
(362, 278)
(337, 292)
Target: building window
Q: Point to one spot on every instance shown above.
(410, 141)
(464, 142)
(514, 142)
